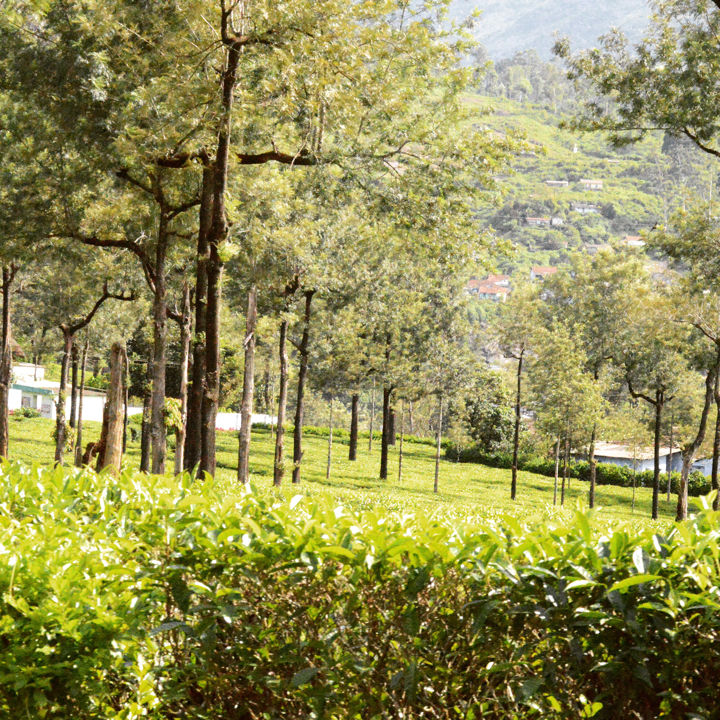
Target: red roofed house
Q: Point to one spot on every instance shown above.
(493, 287)
(540, 273)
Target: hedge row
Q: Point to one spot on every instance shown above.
(606, 473)
(156, 597)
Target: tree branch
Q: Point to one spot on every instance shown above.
(124, 174)
(132, 245)
(694, 137)
(638, 395)
(302, 158)
(71, 329)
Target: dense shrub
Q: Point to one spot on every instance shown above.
(161, 598)
(26, 412)
(606, 474)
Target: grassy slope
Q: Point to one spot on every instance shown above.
(466, 491)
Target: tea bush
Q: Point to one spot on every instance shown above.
(161, 597)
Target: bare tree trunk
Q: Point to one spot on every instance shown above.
(193, 439)
(279, 465)
(73, 386)
(352, 452)
(217, 235)
(330, 442)
(384, 443)
(145, 430)
(565, 470)
(411, 417)
(690, 450)
(267, 399)
(244, 435)
(516, 435)
(185, 333)
(211, 395)
(392, 436)
(5, 362)
(659, 402)
(716, 451)
(402, 439)
(372, 416)
(438, 443)
(669, 463)
(158, 434)
(593, 467)
(302, 375)
(115, 411)
(79, 435)
(60, 430)
(557, 470)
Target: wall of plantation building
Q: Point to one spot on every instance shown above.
(44, 402)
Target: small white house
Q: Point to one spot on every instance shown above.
(592, 184)
(643, 458)
(42, 395)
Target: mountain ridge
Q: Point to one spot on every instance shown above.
(505, 28)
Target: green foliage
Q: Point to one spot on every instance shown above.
(26, 412)
(162, 597)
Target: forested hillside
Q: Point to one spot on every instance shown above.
(574, 191)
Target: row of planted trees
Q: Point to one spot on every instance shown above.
(602, 340)
(206, 166)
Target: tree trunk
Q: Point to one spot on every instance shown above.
(243, 472)
(690, 450)
(669, 463)
(634, 486)
(112, 458)
(438, 444)
(279, 465)
(384, 442)
(682, 501)
(659, 402)
(193, 438)
(302, 375)
(372, 416)
(126, 401)
(716, 453)
(158, 435)
(557, 470)
(79, 435)
(211, 396)
(60, 429)
(185, 333)
(516, 435)
(5, 363)
(593, 467)
(73, 386)
(330, 440)
(145, 431)
(411, 417)
(392, 436)
(402, 439)
(267, 399)
(566, 454)
(352, 452)
(217, 235)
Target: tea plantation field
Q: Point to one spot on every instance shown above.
(466, 490)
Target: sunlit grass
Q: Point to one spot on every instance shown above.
(467, 491)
